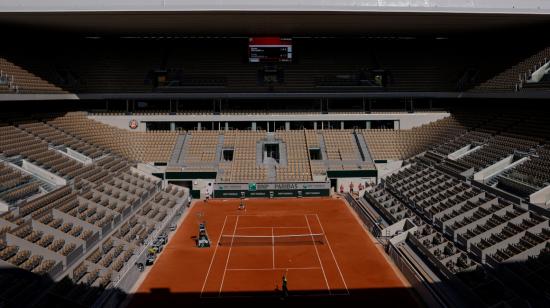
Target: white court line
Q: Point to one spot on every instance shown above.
(331, 252)
(304, 227)
(318, 257)
(273, 269)
(266, 215)
(320, 294)
(228, 255)
(213, 256)
(273, 246)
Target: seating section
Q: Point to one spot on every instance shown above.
(57, 137)
(244, 166)
(512, 78)
(460, 227)
(128, 65)
(24, 258)
(113, 217)
(518, 137)
(151, 146)
(534, 269)
(203, 151)
(17, 142)
(111, 258)
(47, 229)
(298, 166)
(495, 150)
(16, 186)
(401, 144)
(201, 146)
(475, 142)
(22, 81)
(536, 171)
(340, 145)
(528, 177)
(472, 138)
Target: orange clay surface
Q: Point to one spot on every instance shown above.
(345, 267)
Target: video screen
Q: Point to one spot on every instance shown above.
(269, 49)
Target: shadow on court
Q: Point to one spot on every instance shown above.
(383, 297)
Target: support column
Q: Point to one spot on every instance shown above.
(341, 124)
(254, 126)
(396, 124)
(315, 125)
(287, 125)
(226, 126)
(172, 126)
(369, 106)
(369, 124)
(199, 126)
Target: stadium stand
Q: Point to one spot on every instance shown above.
(461, 229)
(19, 80)
(244, 165)
(129, 65)
(299, 165)
(401, 144)
(514, 78)
(151, 146)
(340, 145)
(49, 227)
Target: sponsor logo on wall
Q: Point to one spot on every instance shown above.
(133, 124)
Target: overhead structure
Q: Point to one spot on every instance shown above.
(312, 17)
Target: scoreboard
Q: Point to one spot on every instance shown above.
(269, 49)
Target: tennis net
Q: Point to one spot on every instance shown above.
(259, 240)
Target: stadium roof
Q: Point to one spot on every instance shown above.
(307, 17)
(269, 23)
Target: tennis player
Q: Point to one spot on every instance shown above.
(285, 288)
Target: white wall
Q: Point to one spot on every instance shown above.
(4, 207)
(517, 6)
(346, 181)
(202, 185)
(389, 168)
(539, 73)
(493, 169)
(406, 120)
(541, 197)
(43, 174)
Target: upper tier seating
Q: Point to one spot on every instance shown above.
(197, 65)
(508, 79)
(23, 81)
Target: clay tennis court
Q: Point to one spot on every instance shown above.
(318, 244)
